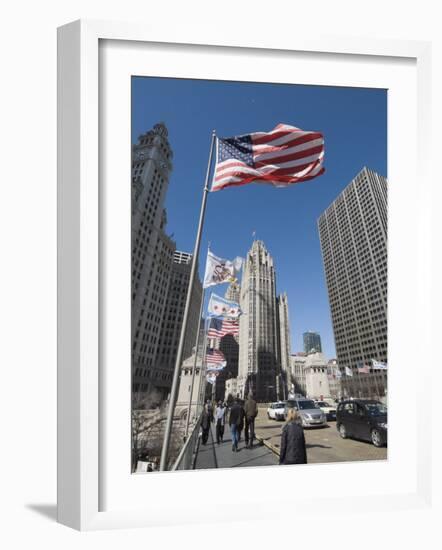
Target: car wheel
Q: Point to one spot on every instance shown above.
(342, 431)
(376, 438)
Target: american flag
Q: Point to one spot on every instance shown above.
(220, 327)
(363, 369)
(282, 157)
(215, 357)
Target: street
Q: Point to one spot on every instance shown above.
(323, 444)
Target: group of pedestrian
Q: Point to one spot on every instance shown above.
(218, 416)
(242, 416)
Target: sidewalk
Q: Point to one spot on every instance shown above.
(213, 455)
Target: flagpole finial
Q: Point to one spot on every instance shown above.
(213, 132)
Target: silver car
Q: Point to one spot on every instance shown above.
(310, 415)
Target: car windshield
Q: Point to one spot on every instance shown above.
(322, 404)
(376, 409)
(303, 405)
(291, 404)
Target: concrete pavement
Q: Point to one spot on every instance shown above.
(213, 455)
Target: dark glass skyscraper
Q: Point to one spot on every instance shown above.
(312, 342)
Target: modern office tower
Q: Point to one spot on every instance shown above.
(259, 367)
(312, 342)
(173, 315)
(353, 235)
(152, 253)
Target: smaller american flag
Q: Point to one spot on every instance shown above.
(221, 327)
(215, 357)
(363, 369)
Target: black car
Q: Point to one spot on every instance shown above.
(363, 419)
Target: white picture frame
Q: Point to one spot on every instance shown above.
(82, 397)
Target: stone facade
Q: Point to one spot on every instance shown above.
(297, 382)
(316, 376)
(259, 363)
(284, 339)
(160, 275)
(174, 311)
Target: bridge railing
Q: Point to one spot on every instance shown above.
(185, 460)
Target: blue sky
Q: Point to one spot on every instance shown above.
(354, 124)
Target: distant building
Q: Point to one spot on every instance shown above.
(312, 342)
(233, 292)
(231, 389)
(353, 236)
(316, 378)
(284, 341)
(174, 311)
(182, 404)
(297, 382)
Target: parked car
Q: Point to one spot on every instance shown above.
(276, 410)
(327, 409)
(310, 415)
(364, 419)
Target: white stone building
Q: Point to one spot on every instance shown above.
(316, 376)
(297, 382)
(182, 403)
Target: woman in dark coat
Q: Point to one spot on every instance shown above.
(292, 441)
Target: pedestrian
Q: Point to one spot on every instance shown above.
(205, 424)
(236, 421)
(241, 424)
(220, 416)
(292, 450)
(251, 412)
(210, 409)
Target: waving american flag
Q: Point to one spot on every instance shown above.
(282, 157)
(215, 359)
(220, 327)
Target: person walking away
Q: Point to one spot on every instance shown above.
(251, 412)
(210, 410)
(236, 420)
(292, 450)
(205, 424)
(241, 424)
(220, 415)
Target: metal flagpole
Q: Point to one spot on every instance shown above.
(176, 374)
(203, 368)
(189, 408)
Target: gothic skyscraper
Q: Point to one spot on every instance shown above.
(259, 360)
